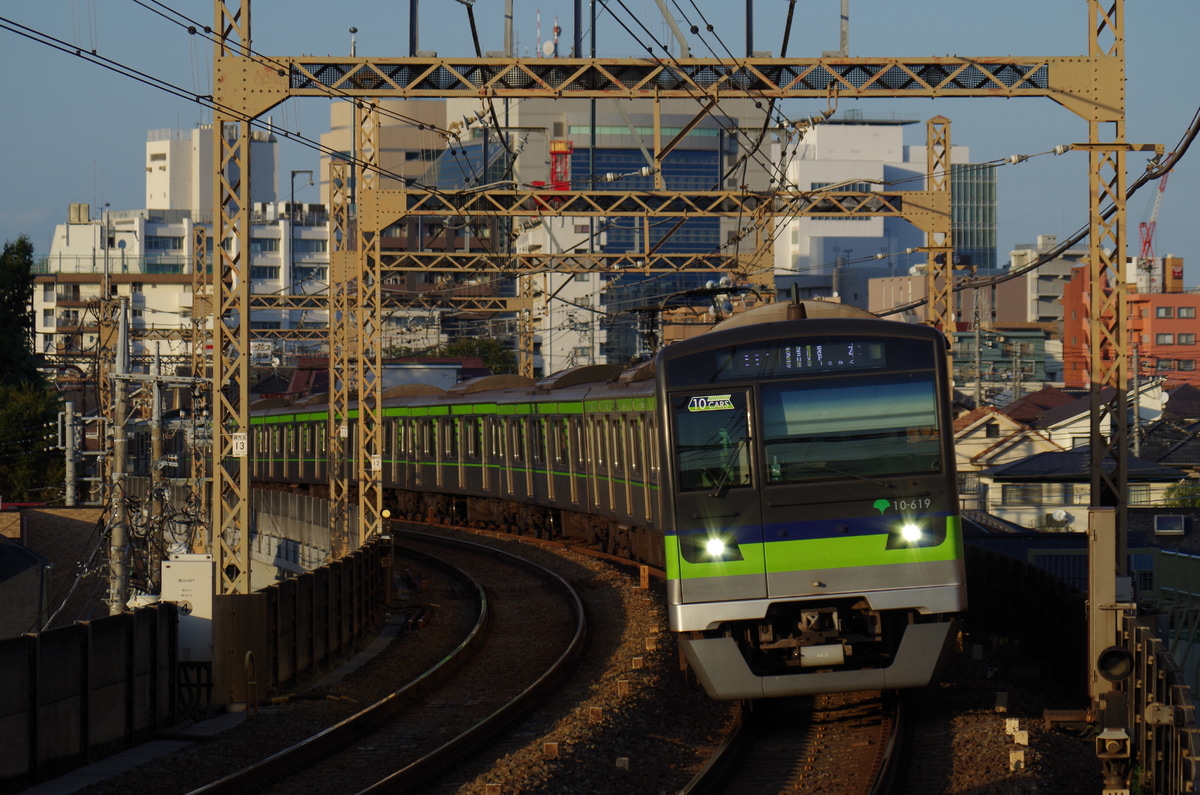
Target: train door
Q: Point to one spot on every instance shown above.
(718, 518)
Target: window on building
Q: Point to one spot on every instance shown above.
(993, 430)
(1166, 364)
(1186, 339)
(583, 277)
(158, 156)
(135, 287)
(1021, 494)
(262, 245)
(1139, 493)
(968, 483)
(162, 243)
(264, 272)
(582, 229)
(1164, 311)
(48, 293)
(308, 245)
(1164, 339)
(1187, 312)
(1187, 364)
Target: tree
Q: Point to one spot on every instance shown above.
(495, 356)
(1184, 494)
(17, 362)
(30, 469)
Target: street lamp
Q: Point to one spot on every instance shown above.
(292, 204)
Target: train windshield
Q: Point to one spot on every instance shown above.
(870, 426)
(712, 441)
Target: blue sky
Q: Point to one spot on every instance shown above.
(74, 132)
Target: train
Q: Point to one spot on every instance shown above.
(791, 471)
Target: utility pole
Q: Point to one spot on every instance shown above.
(1137, 404)
(70, 445)
(118, 545)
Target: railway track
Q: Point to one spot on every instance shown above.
(519, 650)
(833, 744)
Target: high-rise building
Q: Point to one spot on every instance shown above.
(858, 152)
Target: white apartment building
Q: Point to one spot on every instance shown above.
(146, 255)
(852, 152)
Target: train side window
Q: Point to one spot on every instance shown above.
(452, 437)
(618, 444)
(496, 435)
(517, 426)
(539, 440)
(636, 440)
(597, 440)
(712, 440)
(471, 448)
(562, 440)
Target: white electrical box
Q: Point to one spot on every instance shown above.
(188, 581)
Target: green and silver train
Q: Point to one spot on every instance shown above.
(791, 470)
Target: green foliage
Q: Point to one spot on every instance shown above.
(17, 362)
(1184, 494)
(496, 357)
(405, 352)
(30, 470)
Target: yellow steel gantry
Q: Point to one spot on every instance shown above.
(247, 85)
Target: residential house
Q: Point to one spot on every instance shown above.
(986, 437)
(1051, 491)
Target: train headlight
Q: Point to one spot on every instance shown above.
(921, 531)
(713, 547)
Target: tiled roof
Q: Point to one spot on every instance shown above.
(1075, 464)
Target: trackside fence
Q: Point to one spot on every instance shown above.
(267, 641)
(76, 694)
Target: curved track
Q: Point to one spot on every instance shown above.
(834, 744)
(518, 652)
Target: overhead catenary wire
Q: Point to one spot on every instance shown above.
(962, 285)
(1154, 170)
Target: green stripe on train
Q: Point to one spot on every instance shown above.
(816, 553)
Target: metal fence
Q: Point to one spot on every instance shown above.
(1164, 738)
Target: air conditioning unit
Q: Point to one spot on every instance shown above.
(1059, 518)
(1170, 525)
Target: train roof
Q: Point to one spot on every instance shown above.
(793, 310)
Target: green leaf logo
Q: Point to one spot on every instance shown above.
(882, 505)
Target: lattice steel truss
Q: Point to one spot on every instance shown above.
(246, 86)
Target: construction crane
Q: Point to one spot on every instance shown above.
(1146, 228)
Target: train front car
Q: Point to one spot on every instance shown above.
(811, 514)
